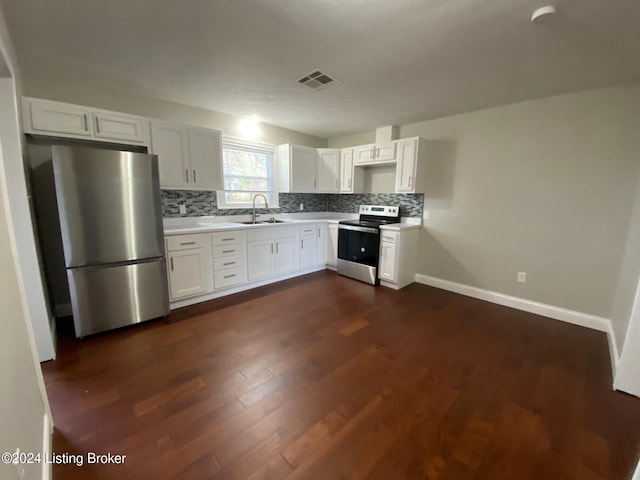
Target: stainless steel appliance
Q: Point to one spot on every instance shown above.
(359, 242)
(112, 237)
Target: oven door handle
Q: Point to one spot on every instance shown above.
(355, 228)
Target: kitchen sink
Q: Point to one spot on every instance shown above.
(265, 222)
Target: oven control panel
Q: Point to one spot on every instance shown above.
(379, 210)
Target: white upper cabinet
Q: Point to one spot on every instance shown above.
(346, 170)
(410, 169)
(328, 170)
(371, 154)
(205, 149)
(45, 117)
(297, 169)
(189, 158)
(170, 143)
(111, 126)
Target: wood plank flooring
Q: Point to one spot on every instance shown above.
(323, 377)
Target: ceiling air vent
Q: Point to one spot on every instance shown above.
(316, 80)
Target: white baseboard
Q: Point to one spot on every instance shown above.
(558, 313)
(613, 350)
(47, 432)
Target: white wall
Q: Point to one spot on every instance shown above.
(23, 403)
(38, 310)
(546, 187)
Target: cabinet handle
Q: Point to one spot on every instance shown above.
(172, 264)
(195, 179)
(186, 174)
(227, 239)
(272, 249)
(228, 251)
(230, 276)
(228, 263)
(410, 181)
(97, 125)
(318, 233)
(187, 243)
(302, 244)
(86, 122)
(276, 247)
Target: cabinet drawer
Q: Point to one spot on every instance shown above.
(223, 251)
(227, 238)
(186, 242)
(228, 278)
(308, 230)
(391, 237)
(225, 263)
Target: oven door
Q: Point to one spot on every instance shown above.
(358, 244)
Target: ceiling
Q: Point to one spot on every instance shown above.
(396, 62)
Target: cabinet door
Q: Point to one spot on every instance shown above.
(189, 273)
(260, 259)
(54, 117)
(308, 251)
(406, 167)
(286, 258)
(385, 152)
(170, 143)
(332, 245)
(346, 171)
(119, 127)
(328, 170)
(363, 154)
(303, 169)
(387, 267)
(205, 153)
(321, 248)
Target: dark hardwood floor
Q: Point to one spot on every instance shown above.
(323, 377)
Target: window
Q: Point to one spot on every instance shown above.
(248, 168)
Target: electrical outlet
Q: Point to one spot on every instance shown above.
(183, 209)
(426, 215)
(301, 206)
(522, 277)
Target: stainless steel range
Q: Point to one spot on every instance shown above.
(359, 242)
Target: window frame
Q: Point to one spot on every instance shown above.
(220, 194)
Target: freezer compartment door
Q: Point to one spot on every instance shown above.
(109, 205)
(109, 297)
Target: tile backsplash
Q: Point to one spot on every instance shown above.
(202, 203)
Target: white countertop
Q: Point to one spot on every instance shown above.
(186, 225)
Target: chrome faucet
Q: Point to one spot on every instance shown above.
(266, 205)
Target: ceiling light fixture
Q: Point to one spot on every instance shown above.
(249, 127)
(542, 13)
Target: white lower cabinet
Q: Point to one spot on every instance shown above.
(189, 265)
(332, 245)
(308, 246)
(286, 257)
(388, 263)
(260, 259)
(321, 247)
(398, 250)
(229, 259)
(272, 251)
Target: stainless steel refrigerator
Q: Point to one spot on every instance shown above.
(111, 227)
